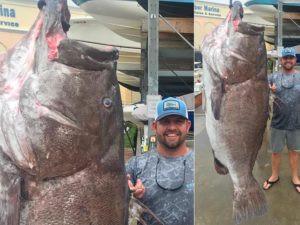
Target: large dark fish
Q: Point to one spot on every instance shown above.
(236, 94)
(61, 158)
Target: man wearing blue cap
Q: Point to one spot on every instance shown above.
(285, 125)
(163, 178)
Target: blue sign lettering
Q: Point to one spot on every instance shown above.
(211, 9)
(7, 12)
(9, 24)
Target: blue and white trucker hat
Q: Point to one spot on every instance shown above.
(288, 52)
(170, 106)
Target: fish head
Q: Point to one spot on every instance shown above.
(237, 47)
(73, 116)
(234, 52)
(244, 51)
(59, 115)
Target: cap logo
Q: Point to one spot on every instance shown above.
(288, 52)
(171, 105)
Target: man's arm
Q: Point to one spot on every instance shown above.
(272, 83)
(135, 185)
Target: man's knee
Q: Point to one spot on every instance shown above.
(293, 152)
(276, 154)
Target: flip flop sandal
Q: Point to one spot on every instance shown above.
(271, 183)
(296, 185)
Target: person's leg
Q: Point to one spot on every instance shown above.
(277, 144)
(276, 159)
(293, 143)
(293, 158)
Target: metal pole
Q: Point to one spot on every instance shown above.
(279, 32)
(153, 39)
(279, 26)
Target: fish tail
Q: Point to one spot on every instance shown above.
(249, 201)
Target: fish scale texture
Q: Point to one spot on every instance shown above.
(77, 199)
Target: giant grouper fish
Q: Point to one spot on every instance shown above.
(61, 129)
(237, 95)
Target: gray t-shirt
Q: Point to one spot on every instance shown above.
(169, 186)
(286, 106)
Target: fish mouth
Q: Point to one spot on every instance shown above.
(237, 14)
(56, 25)
(58, 14)
(237, 10)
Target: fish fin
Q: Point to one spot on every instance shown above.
(10, 183)
(137, 209)
(249, 201)
(216, 100)
(219, 167)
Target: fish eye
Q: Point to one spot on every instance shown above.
(107, 102)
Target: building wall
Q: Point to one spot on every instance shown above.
(128, 97)
(9, 39)
(15, 20)
(207, 17)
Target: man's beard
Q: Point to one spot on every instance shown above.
(288, 67)
(172, 146)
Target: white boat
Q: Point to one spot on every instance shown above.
(122, 17)
(125, 17)
(267, 9)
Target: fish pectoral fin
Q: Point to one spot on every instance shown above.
(216, 101)
(137, 209)
(10, 183)
(220, 168)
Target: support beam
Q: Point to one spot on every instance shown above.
(182, 25)
(279, 25)
(153, 38)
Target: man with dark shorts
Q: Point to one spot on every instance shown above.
(285, 125)
(163, 178)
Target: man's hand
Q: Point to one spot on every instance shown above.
(273, 87)
(138, 190)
